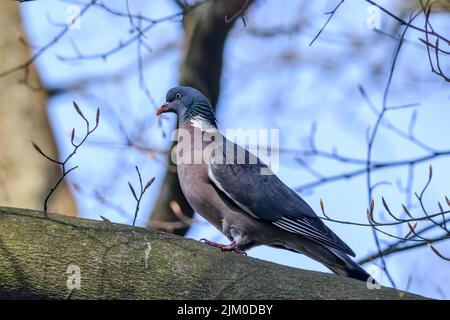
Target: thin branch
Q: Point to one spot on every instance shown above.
(406, 23)
(26, 65)
(76, 146)
(142, 189)
(374, 166)
(330, 16)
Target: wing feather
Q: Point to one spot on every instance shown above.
(267, 198)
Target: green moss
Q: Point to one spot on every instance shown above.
(36, 251)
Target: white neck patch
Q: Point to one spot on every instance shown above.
(202, 124)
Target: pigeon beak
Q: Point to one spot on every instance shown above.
(163, 109)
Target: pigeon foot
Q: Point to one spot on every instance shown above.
(224, 247)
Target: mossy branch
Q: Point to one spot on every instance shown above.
(40, 257)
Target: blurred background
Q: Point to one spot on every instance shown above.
(348, 134)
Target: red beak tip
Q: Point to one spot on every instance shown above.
(162, 109)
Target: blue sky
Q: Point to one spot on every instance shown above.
(276, 82)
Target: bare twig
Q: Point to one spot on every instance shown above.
(26, 65)
(330, 16)
(142, 189)
(415, 237)
(407, 23)
(143, 30)
(374, 166)
(76, 146)
(427, 31)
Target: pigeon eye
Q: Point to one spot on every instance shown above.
(178, 96)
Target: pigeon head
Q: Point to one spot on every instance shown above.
(189, 104)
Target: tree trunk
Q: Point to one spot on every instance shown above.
(205, 32)
(25, 176)
(43, 257)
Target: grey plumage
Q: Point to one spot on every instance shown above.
(250, 208)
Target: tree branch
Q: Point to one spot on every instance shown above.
(38, 255)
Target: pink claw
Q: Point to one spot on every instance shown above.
(224, 247)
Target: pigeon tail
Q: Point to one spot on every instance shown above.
(345, 266)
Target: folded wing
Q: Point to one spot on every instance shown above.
(266, 197)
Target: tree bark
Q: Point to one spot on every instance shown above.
(38, 254)
(25, 176)
(205, 33)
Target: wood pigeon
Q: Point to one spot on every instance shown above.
(223, 184)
